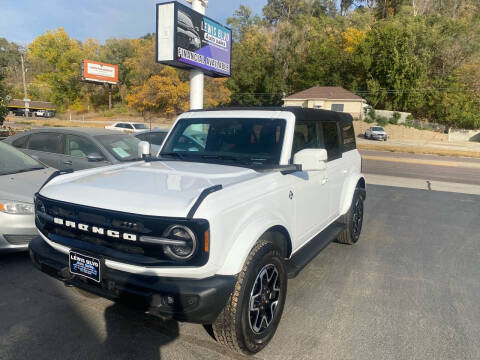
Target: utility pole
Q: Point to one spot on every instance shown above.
(109, 96)
(197, 78)
(25, 98)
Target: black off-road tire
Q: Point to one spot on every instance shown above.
(233, 327)
(354, 228)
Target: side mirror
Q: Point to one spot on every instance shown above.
(143, 149)
(95, 157)
(311, 159)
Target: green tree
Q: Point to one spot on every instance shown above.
(60, 57)
(392, 64)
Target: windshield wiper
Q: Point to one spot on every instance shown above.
(176, 154)
(226, 157)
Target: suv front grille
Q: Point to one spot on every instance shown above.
(133, 252)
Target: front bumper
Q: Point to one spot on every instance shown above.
(16, 231)
(379, 136)
(197, 301)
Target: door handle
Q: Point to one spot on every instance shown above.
(324, 180)
(68, 162)
(344, 171)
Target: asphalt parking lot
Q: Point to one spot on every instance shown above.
(408, 290)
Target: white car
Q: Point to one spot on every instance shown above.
(128, 127)
(376, 133)
(210, 231)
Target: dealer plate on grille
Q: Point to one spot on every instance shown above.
(84, 265)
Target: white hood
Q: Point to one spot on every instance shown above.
(167, 188)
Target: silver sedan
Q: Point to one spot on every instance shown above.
(20, 178)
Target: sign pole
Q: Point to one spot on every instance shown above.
(197, 77)
(109, 96)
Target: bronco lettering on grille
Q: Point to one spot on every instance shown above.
(95, 229)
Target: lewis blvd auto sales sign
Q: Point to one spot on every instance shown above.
(189, 40)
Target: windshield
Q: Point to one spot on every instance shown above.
(376, 128)
(14, 161)
(122, 147)
(244, 141)
(140, 126)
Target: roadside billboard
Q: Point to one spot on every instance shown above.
(99, 72)
(189, 40)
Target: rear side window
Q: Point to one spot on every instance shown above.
(47, 142)
(348, 137)
(332, 139)
(21, 142)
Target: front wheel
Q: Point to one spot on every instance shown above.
(353, 220)
(252, 313)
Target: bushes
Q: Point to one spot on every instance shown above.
(382, 120)
(395, 118)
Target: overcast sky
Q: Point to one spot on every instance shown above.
(23, 20)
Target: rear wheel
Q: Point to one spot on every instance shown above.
(353, 220)
(252, 313)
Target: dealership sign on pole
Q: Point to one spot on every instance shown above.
(189, 40)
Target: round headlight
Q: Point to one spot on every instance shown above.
(184, 251)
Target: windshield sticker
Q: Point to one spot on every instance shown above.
(120, 152)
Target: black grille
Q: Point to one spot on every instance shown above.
(133, 252)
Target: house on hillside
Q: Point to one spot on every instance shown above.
(328, 98)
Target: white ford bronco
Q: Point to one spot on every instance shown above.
(237, 202)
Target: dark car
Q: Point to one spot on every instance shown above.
(155, 138)
(21, 112)
(77, 148)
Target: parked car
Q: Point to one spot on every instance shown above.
(128, 127)
(45, 113)
(154, 137)
(20, 177)
(209, 233)
(22, 112)
(77, 148)
(376, 133)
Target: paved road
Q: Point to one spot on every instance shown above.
(428, 167)
(408, 290)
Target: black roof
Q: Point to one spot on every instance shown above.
(300, 113)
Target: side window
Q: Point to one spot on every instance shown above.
(337, 107)
(331, 139)
(21, 142)
(47, 142)
(306, 136)
(79, 146)
(120, 125)
(129, 126)
(348, 137)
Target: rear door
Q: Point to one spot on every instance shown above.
(78, 149)
(48, 148)
(336, 169)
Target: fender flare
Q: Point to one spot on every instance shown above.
(246, 239)
(349, 190)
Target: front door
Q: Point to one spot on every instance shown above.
(311, 195)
